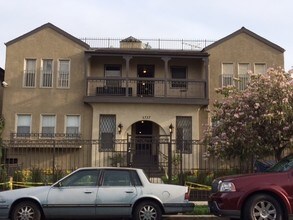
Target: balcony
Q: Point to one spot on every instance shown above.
(146, 90)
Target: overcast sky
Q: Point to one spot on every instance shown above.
(169, 19)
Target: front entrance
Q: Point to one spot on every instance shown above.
(144, 144)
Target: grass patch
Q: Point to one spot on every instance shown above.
(200, 210)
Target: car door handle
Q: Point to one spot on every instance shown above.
(129, 191)
(88, 192)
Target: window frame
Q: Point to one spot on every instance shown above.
(25, 134)
(61, 78)
(104, 136)
(73, 135)
(181, 84)
(46, 135)
(51, 74)
(29, 79)
(225, 77)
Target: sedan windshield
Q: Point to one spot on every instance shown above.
(283, 165)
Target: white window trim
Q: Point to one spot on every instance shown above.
(23, 114)
(58, 73)
(24, 73)
(41, 122)
(65, 122)
(41, 73)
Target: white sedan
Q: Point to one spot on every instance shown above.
(97, 193)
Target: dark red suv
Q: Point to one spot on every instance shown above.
(258, 196)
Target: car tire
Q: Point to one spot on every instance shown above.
(26, 210)
(262, 206)
(147, 210)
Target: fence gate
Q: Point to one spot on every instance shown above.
(150, 153)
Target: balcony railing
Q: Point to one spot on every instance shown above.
(147, 87)
(37, 136)
(159, 44)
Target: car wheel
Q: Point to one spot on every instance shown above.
(263, 207)
(26, 210)
(147, 210)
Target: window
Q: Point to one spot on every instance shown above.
(24, 122)
(47, 74)
(260, 68)
(243, 69)
(48, 125)
(72, 125)
(184, 134)
(178, 73)
(107, 132)
(82, 178)
(30, 73)
(112, 71)
(117, 178)
(63, 74)
(227, 74)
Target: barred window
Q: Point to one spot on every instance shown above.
(184, 134)
(29, 79)
(47, 73)
(107, 132)
(63, 77)
(243, 69)
(23, 125)
(227, 74)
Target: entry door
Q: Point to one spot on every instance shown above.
(145, 88)
(143, 142)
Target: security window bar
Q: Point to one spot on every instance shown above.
(47, 74)
(48, 125)
(29, 79)
(178, 73)
(184, 134)
(23, 125)
(243, 77)
(107, 132)
(63, 77)
(72, 126)
(227, 74)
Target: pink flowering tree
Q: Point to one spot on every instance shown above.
(257, 121)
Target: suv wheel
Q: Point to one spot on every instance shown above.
(262, 206)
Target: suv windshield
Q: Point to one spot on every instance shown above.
(283, 165)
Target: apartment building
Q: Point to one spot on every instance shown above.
(146, 98)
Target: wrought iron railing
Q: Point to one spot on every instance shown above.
(147, 87)
(161, 44)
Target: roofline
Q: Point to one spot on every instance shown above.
(55, 28)
(148, 52)
(248, 32)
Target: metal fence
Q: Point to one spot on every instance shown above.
(155, 155)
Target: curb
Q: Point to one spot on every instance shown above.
(189, 217)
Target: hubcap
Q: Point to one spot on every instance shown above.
(25, 213)
(148, 213)
(264, 210)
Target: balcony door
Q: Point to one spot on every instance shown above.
(145, 88)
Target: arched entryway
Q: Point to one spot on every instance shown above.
(145, 146)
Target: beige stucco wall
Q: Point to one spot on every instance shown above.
(242, 48)
(45, 44)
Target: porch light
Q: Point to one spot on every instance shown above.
(171, 128)
(120, 126)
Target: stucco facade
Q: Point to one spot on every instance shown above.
(111, 93)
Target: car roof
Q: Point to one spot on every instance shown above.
(107, 168)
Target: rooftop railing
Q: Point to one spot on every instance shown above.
(155, 43)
